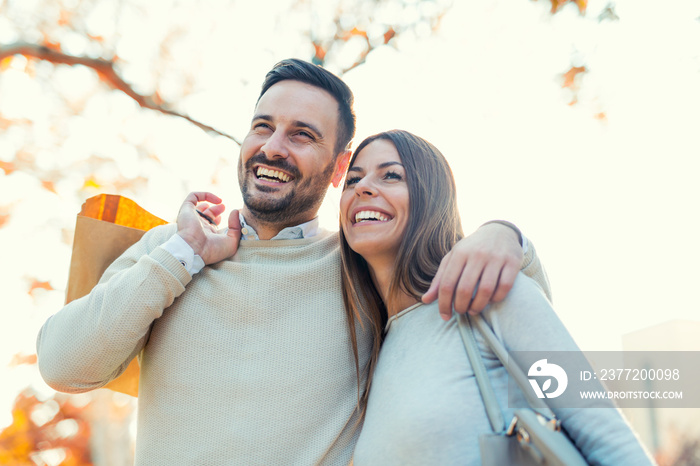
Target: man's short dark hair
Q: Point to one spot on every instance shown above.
(299, 70)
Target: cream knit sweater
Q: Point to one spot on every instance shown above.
(249, 362)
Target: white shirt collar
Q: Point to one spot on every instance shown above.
(305, 230)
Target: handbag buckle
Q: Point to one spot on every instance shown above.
(512, 426)
(552, 424)
(555, 424)
(522, 436)
(520, 433)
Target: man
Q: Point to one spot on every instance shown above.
(247, 359)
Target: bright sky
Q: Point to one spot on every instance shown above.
(610, 205)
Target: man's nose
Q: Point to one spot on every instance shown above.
(275, 146)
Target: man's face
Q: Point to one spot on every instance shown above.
(287, 158)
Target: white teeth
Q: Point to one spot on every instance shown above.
(272, 175)
(364, 215)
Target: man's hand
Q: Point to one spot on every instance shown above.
(198, 225)
(489, 260)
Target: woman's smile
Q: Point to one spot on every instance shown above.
(368, 216)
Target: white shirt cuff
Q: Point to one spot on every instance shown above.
(184, 253)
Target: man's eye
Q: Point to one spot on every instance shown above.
(305, 135)
(262, 126)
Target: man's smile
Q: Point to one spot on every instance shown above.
(271, 175)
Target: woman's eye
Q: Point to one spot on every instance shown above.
(352, 180)
(393, 176)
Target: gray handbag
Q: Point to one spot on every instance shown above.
(534, 436)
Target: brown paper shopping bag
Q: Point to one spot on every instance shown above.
(106, 226)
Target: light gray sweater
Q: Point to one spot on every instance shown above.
(425, 406)
(251, 365)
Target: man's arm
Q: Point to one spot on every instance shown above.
(92, 339)
(487, 261)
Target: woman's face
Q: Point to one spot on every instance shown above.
(374, 204)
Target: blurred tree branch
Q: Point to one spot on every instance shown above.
(106, 70)
(558, 4)
(374, 24)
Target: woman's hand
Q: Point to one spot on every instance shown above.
(481, 268)
(198, 225)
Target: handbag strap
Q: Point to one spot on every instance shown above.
(465, 324)
(493, 410)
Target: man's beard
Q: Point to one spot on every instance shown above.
(306, 197)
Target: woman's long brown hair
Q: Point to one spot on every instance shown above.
(432, 230)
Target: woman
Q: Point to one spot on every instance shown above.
(398, 218)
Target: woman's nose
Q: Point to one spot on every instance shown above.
(364, 187)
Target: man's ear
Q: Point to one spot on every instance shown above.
(341, 166)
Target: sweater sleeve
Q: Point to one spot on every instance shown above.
(525, 321)
(91, 340)
(532, 267)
